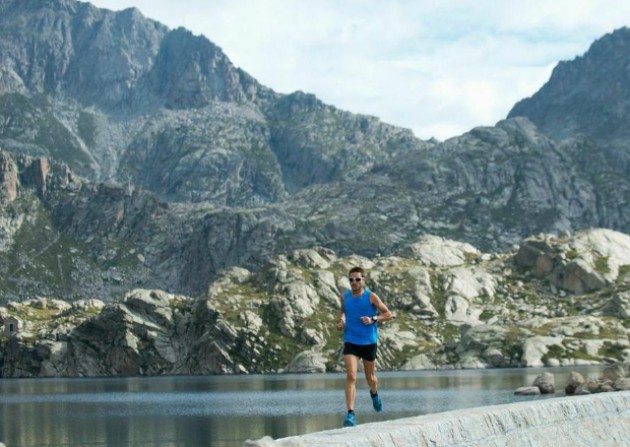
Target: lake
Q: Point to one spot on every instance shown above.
(223, 411)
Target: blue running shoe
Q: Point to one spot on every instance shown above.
(377, 403)
(350, 420)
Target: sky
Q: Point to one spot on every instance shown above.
(439, 67)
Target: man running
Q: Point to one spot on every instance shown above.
(360, 320)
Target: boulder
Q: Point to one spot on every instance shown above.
(437, 251)
(466, 288)
(531, 250)
(575, 380)
(495, 357)
(308, 362)
(579, 277)
(51, 304)
(418, 362)
(527, 391)
(314, 258)
(546, 383)
(535, 348)
(153, 305)
(88, 304)
(614, 372)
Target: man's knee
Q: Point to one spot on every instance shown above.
(351, 376)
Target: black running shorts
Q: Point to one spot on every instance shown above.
(365, 352)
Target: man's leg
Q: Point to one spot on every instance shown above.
(370, 375)
(352, 364)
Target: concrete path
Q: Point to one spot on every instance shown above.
(598, 420)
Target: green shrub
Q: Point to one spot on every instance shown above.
(572, 254)
(601, 264)
(554, 352)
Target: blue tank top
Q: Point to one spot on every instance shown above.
(354, 308)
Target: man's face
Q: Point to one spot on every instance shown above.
(356, 280)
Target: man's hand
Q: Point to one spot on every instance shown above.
(367, 320)
(340, 324)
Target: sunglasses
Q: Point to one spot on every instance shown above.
(355, 279)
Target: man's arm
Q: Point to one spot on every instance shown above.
(385, 314)
(342, 317)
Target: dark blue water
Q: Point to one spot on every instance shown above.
(226, 410)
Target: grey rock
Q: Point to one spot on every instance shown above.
(622, 384)
(575, 380)
(437, 251)
(418, 362)
(546, 383)
(535, 347)
(308, 362)
(528, 391)
(614, 372)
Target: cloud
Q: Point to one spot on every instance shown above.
(438, 68)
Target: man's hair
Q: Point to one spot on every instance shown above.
(356, 270)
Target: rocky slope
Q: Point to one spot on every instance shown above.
(119, 97)
(589, 97)
(491, 187)
(550, 301)
(585, 96)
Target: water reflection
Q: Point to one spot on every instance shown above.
(224, 411)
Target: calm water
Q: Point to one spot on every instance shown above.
(225, 411)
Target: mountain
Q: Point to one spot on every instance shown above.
(586, 96)
(139, 156)
(122, 98)
(589, 96)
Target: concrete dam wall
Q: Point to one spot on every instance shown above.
(596, 420)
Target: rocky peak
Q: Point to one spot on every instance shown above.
(91, 54)
(589, 95)
(190, 72)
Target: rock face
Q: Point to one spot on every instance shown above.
(127, 99)
(588, 262)
(180, 165)
(563, 106)
(282, 319)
